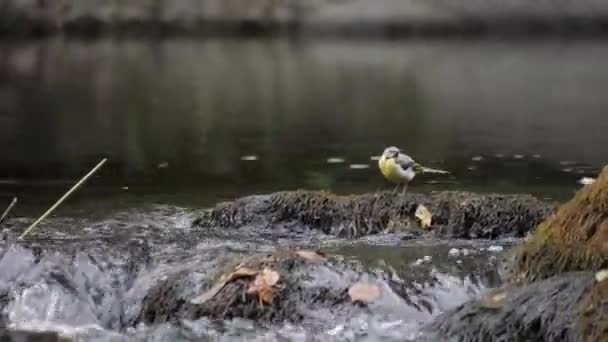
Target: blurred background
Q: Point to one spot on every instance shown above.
(197, 101)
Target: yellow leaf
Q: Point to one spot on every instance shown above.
(424, 215)
(364, 292)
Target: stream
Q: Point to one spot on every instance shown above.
(189, 123)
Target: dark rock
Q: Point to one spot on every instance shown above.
(454, 214)
(592, 319)
(543, 311)
(30, 336)
(304, 286)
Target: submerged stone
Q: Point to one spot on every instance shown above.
(453, 214)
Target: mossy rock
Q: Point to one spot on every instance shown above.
(305, 283)
(454, 214)
(574, 238)
(592, 320)
(545, 311)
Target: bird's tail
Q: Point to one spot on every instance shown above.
(424, 169)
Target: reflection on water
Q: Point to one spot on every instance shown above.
(225, 117)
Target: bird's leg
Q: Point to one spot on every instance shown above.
(395, 189)
(404, 189)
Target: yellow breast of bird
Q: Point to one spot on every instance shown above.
(390, 170)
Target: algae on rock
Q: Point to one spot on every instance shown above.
(454, 214)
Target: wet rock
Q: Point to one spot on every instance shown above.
(30, 336)
(592, 319)
(454, 214)
(543, 311)
(561, 273)
(574, 238)
(306, 282)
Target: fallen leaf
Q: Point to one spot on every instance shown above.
(313, 256)
(224, 279)
(365, 293)
(240, 272)
(424, 215)
(263, 284)
(270, 277)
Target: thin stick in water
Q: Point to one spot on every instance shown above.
(8, 210)
(51, 209)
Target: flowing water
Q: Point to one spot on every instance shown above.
(188, 123)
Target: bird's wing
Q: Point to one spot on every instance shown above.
(404, 161)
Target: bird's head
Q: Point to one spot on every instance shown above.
(391, 152)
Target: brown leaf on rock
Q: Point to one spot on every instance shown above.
(270, 277)
(313, 256)
(224, 279)
(424, 215)
(239, 272)
(365, 293)
(263, 284)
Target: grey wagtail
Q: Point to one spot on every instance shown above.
(400, 168)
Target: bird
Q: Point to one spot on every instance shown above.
(398, 167)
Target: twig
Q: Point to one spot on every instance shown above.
(8, 210)
(48, 212)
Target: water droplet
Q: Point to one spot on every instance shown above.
(374, 158)
(358, 166)
(536, 156)
(518, 156)
(163, 165)
(477, 158)
(251, 157)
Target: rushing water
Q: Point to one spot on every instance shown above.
(188, 123)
